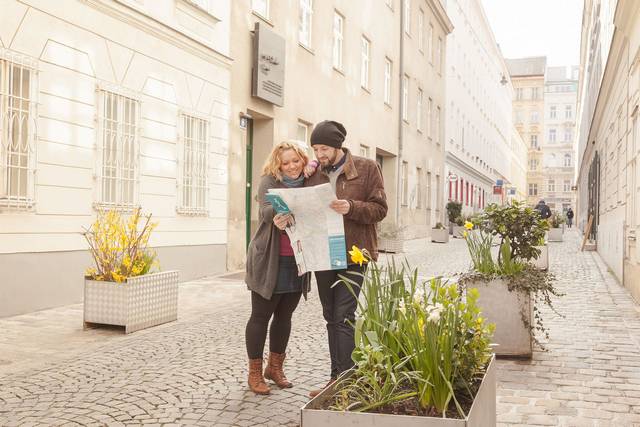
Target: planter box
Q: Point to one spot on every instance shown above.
(542, 262)
(482, 413)
(138, 303)
(393, 245)
(439, 235)
(504, 308)
(457, 231)
(555, 235)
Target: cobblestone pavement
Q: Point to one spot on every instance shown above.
(192, 372)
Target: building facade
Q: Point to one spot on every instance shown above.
(376, 67)
(528, 75)
(479, 123)
(608, 176)
(559, 148)
(109, 105)
(519, 150)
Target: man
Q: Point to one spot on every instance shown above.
(543, 209)
(569, 217)
(362, 202)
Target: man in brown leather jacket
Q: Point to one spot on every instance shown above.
(362, 202)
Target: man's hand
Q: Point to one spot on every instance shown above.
(282, 220)
(341, 206)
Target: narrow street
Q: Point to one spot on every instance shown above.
(192, 372)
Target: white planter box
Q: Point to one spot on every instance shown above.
(542, 262)
(482, 413)
(439, 235)
(387, 244)
(138, 303)
(458, 231)
(555, 235)
(504, 308)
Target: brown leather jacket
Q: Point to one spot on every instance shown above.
(362, 185)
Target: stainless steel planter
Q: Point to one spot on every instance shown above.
(439, 235)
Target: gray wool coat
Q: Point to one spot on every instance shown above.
(263, 254)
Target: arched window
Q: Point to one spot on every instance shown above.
(567, 160)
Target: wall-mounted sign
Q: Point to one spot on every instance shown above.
(244, 121)
(268, 65)
(497, 189)
(499, 182)
(453, 177)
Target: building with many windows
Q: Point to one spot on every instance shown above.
(376, 67)
(109, 105)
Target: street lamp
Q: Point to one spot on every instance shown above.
(503, 81)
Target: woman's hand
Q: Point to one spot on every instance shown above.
(282, 220)
(310, 168)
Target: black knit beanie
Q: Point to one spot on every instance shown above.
(329, 133)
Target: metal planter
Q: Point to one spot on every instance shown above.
(555, 235)
(138, 303)
(439, 235)
(458, 231)
(390, 244)
(542, 262)
(505, 309)
(482, 413)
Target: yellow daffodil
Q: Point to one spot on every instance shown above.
(465, 234)
(357, 256)
(468, 225)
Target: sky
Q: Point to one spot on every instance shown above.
(548, 28)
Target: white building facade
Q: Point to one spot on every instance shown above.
(109, 105)
(479, 120)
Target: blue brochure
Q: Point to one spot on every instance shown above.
(278, 204)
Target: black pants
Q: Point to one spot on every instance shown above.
(281, 307)
(338, 308)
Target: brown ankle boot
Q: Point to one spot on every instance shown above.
(274, 370)
(256, 380)
(314, 393)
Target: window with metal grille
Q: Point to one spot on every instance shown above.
(194, 167)
(119, 117)
(18, 87)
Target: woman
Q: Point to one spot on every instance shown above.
(272, 274)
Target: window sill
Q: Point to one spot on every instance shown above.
(307, 48)
(17, 204)
(192, 212)
(102, 206)
(262, 18)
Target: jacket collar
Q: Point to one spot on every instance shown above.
(349, 169)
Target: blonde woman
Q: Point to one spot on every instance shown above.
(272, 275)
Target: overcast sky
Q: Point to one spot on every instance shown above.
(548, 28)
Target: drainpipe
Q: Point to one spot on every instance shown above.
(400, 115)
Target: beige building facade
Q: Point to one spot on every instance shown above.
(372, 66)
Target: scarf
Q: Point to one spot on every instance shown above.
(289, 182)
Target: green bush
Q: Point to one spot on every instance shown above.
(454, 210)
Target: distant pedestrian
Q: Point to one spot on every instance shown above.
(543, 209)
(569, 217)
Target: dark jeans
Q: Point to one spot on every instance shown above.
(281, 307)
(338, 308)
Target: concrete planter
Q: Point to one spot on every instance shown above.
(138, 303)
(439, 235)
(458, 231)
(542, 262)
(505, 309)
(555, 235)
(482, 413)
(390, 244)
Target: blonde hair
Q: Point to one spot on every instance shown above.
(274, 161)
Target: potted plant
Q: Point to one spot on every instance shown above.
(454, 210)
(555, 222)
(390, 239)
(422, 358)
(542, 260)
(511, 289)
(458, 227)
(439, 234)
(121, 289)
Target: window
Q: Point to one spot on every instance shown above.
(261, 7)
(552, 135)
(534, 141)
(533, 189)
(302, 133)
(567, 160)
(305, 24)
(553, 113)
(568, 135)
(17, 130)
(407, 16)
(429, 118)
(405, 184)
(428, 191)
(419, 111)
(535, 93)
(421, 30)
(568, 112)
(364, 63)
(387, 81)
(551, 185)
(430, 43)
(419, 188)
(338, 27)
(405, 98)
(519, 94)
(119, 119)
(518, 116)
(567, 185)
(437, 127)
(440, 52)
(364, 151)
(193, 183)
(533, 164)
(535, 117)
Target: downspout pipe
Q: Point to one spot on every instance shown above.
(400, 115)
